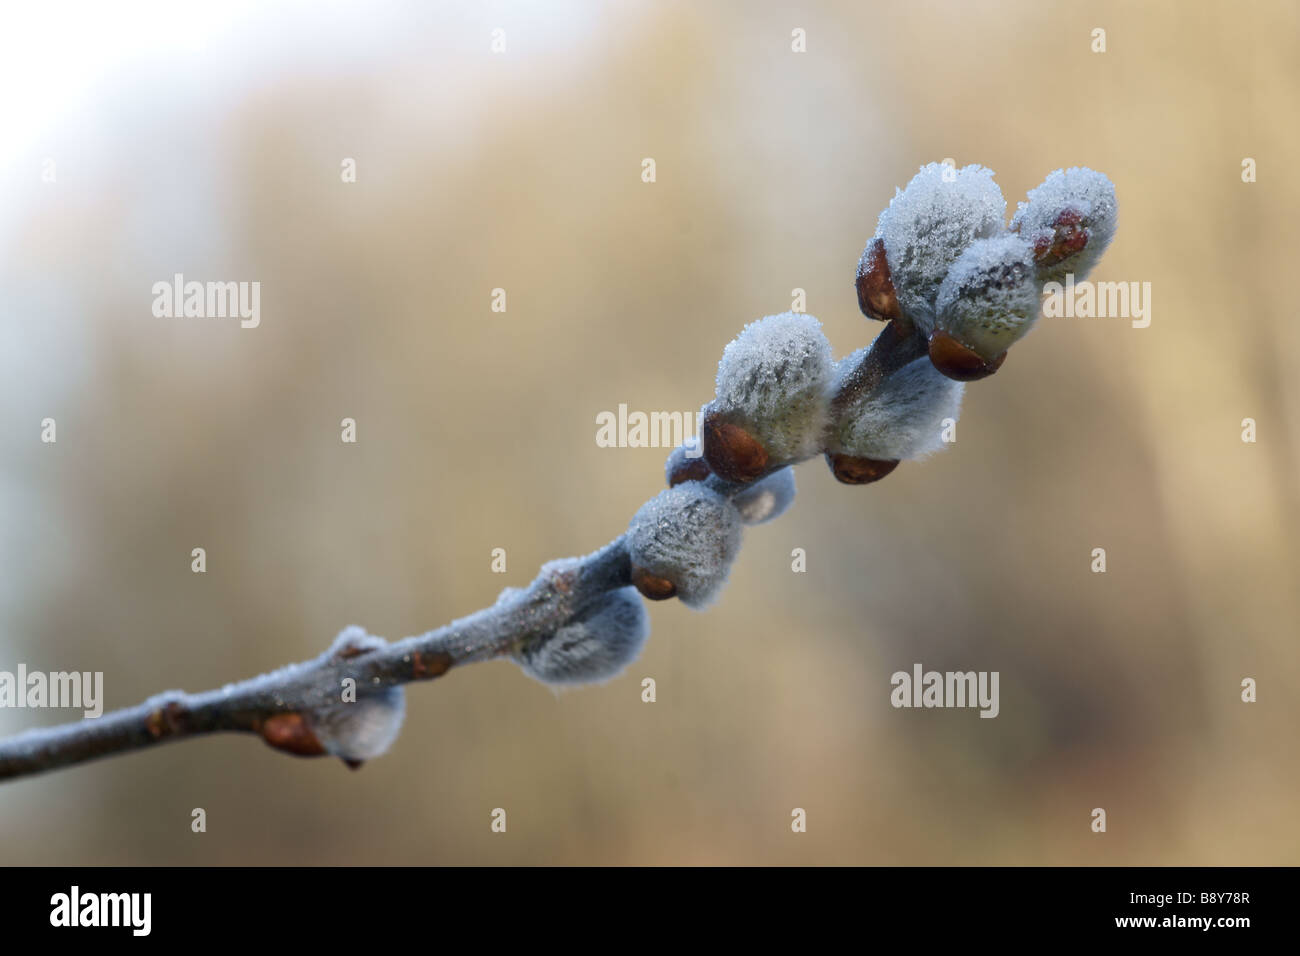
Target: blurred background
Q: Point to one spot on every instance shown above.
(209, 141)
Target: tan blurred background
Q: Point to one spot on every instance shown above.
(210, 143)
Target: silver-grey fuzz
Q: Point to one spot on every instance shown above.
(595, 646)
(689, 535)
(767, 499)
(902, 418)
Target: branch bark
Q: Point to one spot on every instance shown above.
(275, 705)
(898, 344)
(272, 705)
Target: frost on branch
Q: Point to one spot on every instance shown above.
(990, 297)
(944, 260)
(955, 288)
(770, 408)
(929, 223)
(1069, 220)
(353, 641)
(354, 724)
(364, 727)
(682, 542)
(596, 646)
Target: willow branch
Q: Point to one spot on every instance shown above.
(973, 284)
(275, 706)
(272, 705)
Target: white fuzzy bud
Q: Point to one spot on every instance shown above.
(353, 641)
(363, 725)
(596, 646)
(772, 382)
(929, 223)
(688, 536)
(902, 418)
(1069, 220)
(362, 729)
(767, 499)
(990, 297)
(507, 594)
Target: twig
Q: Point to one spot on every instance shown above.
(990, 283)
(898, 344)
(271, 705)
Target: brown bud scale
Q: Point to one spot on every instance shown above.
(166, 720)
(292, 734)
(652, 587)
(876, 296)
(427, 666)
(958, 361)
(732, 453)
(690, 469)
(852, 470)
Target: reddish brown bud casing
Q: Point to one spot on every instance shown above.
(689, 469)
(292, 734)
(1068, 237)
(876, 297)
(858, 471)
(651, 587)
(166, 720)
(958, 361)
(427, 666)
(732, 453)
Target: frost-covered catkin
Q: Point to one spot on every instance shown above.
(596, 646)
(1069, 220)
(990, 297)
(682, 542)
(364, 728)
(929, 223)
(768, 499)
(771, 404)
(902, 418)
